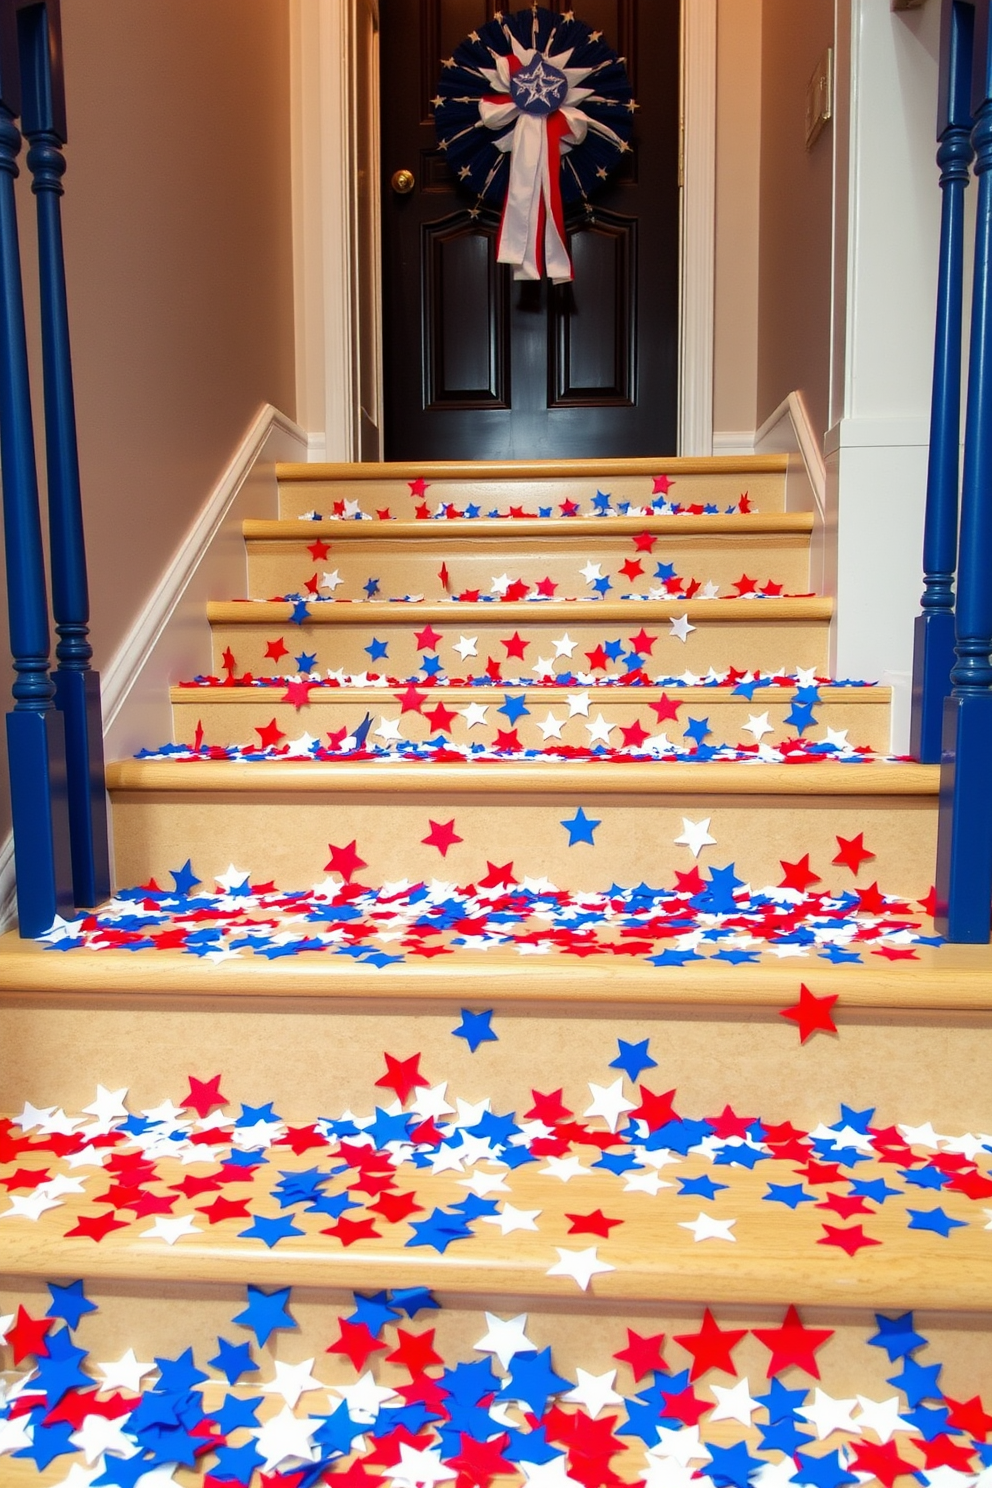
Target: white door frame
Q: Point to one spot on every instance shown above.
(324, 35)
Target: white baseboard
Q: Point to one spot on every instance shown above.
(169, 639)
(733, 441)
(789, 431)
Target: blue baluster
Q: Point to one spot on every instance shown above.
(933, 655)
(964, 848)
(35, 735)
(77, 686)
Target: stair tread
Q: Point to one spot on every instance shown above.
(531, 469)
(769, 1252)
(557, 612)
(743, 525)
(511, 776)
(602, 693)
(942, 980)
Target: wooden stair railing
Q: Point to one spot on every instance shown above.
(55, 733)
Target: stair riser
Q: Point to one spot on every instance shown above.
(285, 836)
(765, 491)
(580, 1334)
(865, 719)
(412, 566)
(322, 1061)
(345, 643)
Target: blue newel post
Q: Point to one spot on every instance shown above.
(35, 734)
(964, 845)
(77, 686)
(933, 652)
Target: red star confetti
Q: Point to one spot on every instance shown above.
(852, 852)
(269, 735)
(356, 1342)
(515, 646)
(643, 1354)
(27, 1336)
(440, 718)
(349, 1231)
(811, 1014)
(427, 638)
(411, 701)
(94, 1227)
(204, 1096)
(665, 709)
(799, 875)
(442, 835)
(344, 860)
(595, 1223)
(402, 1076)
(298, 693)
(850, 1240)
(415, 1351)
(792, 1343)
(711, 1347)
(882, 1461)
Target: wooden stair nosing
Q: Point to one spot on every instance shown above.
(688, 697)
(585, 778)
(944, 982)
(482, 470)
(557, 612)
(772, 1271)
(747, 525)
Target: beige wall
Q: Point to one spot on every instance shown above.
(796, 193)
(178, 245)
(738, 159)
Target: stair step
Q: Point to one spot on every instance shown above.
(231, 714)
(282, 814)
(774, 1260)
(501, 484)
(890, 1216)
(405, 557)
(584, 1372)
(765, 634)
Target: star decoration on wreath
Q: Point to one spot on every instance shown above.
(533, 112)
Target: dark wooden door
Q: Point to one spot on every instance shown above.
(479, 366)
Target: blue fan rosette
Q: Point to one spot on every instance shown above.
(533, 112)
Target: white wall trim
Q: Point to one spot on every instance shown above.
(321, 136)
(169, 639)
(791, 422)
(698, 287)
(733, 441)
(789, 431)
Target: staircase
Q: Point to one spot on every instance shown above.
(522, 950)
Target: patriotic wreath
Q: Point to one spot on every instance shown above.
(533, 111)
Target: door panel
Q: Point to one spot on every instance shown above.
(465, 330)
(593, 343)
(480, 366)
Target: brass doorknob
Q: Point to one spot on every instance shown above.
(403, 182)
